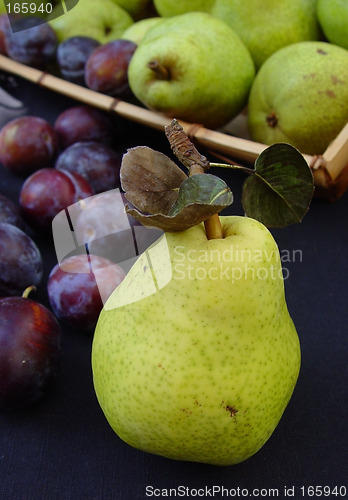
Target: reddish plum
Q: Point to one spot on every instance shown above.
(106, 69)
(72, 55)
(78, 288)
(98, 163)
(48, 191)
(30, 351)
(83, 123)
(31, 42)
(27, 143)
(20, 261)
(10, 212)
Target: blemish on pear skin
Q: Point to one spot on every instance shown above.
(321, 51)
(335, 80)
(231, 410)
(330, 93)
(186, 410)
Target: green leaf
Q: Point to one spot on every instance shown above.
(281, 189)
(202, 190)
(200, 196)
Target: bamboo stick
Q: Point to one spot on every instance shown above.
(326, 167)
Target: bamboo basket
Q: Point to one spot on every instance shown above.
(330, 169)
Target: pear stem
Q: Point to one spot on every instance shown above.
(196, 163)
(161, 71)
(213, 228)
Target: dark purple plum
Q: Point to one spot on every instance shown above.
(98, 163)
(83, 123)
(78, 288)
(30, 352)
(28, 143)
(10, 212)
(48, 191)
(31, 42)
(107, 68)
(72, 55)
(20, 261)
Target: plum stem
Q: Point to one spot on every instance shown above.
(27, 291)
(196, 163)
(161, 71)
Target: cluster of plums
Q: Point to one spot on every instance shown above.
(69, 163)
(81, 60)
(61, 165)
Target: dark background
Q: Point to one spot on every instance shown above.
(63, 448)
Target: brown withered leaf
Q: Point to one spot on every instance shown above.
(200, 197)
(150, 180)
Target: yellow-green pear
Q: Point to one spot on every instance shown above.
(300, 96)
(194, 67)
(195, 356)
(103, 20)
(333, 19)
(264, 25)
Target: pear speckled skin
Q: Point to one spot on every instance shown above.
(304, 87)
(210, 71)
(203, 369)
(264, 25)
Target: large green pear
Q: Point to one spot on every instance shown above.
(264, 25)
(194, 67)
(300, 96)
(333, 18)
(103, 20)
(195, 355)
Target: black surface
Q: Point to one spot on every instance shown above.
(63, 448)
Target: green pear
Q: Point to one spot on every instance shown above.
(103, 20)
(264, 25)
(168, 8)
(136, 31)
(195, 356)
(333, 19)
(300, 96)
(194, 67)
